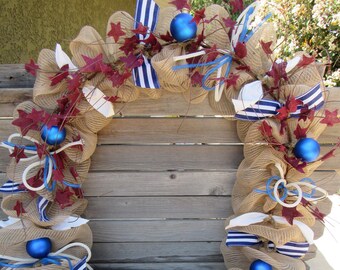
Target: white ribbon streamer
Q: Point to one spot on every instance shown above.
(63, 59)
(257, 217)
(97, 100)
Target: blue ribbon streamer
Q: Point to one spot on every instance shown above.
(269, 191)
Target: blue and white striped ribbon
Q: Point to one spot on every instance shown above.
(291, 249)
(313, 98)
(11, 187)
(241, 239)
(81, 265)
(42, 204)
(147, 14)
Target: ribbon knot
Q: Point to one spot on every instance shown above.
(146, 13)
(249, 108)
(241, 239)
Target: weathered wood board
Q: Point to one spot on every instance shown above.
(161, 179)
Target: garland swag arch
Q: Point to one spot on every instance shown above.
(280, 107)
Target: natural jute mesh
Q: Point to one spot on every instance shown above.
(169, 79)
(44, 93)
(127, 24)
(54, 212)
(88, 43)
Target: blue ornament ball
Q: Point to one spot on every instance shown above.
(39, 248)
(53, 135)
(307, 149)
(182, 28)
(260, 265)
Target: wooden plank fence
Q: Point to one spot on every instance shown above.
(160, 183)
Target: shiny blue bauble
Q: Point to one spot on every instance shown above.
(307, 149)
(53, 136)
(182, 28)
(260, 265)
(39, 248)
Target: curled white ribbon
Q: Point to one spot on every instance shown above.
(57, 253)
(257, 217)
(297, 187)
(37, 163)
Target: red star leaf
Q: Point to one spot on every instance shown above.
(307, 113)
(305, 61)
(199, 15)
(32, 67)
(278, 72)
(92, 64)
(211, 53)
(63, 197)
(118, 79)
(240, 50)
(74, 82)
(132, 61)
(51, 120)
(300, 132)
(36, 116)
(19, 208)
(330, 118)
(283, 113)
(196, 78)
(229, 23)
(296, 164)
(167, 37)
(41, 149)
(111, 99)
(232, 79)
(292, 104)
(59, 160)
(24, 123)
(290, 213)
(18, 153)
(60, 76)
(130, 44)
(141, 29)
(266, 47)
(116, 31)
(237, 5)
(57, 175)
(180, 4)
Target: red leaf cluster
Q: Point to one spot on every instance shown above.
(60, 76)
(18, 153)
(167, 37)
(237, 5)
(63, 197)
(296, 163)
(196, 78)
(141, 29)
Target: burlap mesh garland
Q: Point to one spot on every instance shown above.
(164, 20)
(13, 240)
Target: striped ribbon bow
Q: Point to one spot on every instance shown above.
(263, 108)
(241, 239)
(147, 14)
